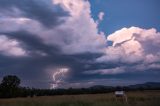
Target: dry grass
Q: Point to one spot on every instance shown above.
(146, 98)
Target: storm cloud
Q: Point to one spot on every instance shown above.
(40, 10)
(40, 37)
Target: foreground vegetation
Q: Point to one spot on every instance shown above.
(135, 98)
(12, 94)
(10, 88)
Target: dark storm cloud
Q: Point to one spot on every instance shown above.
(32, 42)
(41, 10)
(46, 45)
(32, 69)
(34, 66)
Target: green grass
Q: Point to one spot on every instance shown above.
(146, 98)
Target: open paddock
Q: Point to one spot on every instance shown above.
(136, 98)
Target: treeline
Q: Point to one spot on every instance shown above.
(10, 88)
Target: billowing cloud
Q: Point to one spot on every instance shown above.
(53, 32)
(11, 47)
(134, 46)
(81, 32)
(34, 9)
(77, 34)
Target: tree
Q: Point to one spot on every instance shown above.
(11, 81)
(9, 86)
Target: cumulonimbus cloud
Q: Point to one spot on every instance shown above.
(134, 42)
(77, 34)
(133, 45)
(63, 32)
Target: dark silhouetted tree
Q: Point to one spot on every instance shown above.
(9, 86)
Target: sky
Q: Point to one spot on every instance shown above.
(80, 43)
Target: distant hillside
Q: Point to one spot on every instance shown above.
(146, 85)
(101, 87)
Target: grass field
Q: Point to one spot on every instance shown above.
(145, 98)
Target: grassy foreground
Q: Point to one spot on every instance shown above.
(145, 98)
